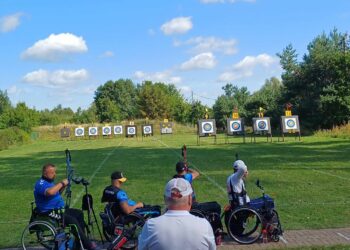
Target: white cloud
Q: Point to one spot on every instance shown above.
(55, 79)
(14, 90)
(164, 76)
(210, 44)
(107, 54)
(226, 1)
(55, 47)
(9, 23)
(201, 61)
(179, 25)
(246, 67)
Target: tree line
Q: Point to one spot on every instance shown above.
(318, 86)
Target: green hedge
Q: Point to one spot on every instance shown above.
(12, 136)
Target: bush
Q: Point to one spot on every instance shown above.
(336, 132)
(12, 136)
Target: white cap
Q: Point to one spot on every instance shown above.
(177, 188)
(239, 164)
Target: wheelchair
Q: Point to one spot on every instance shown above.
(46, 231)
(246, 224)
(122, 230)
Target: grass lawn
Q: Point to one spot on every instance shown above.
(310, 180)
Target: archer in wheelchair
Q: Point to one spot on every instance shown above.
(51, 218)
(123, 219)
(247, 220)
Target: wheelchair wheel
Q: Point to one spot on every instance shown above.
(39, 235)
(132, 225)
(244, 225)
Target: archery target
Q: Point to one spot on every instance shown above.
(107, 130)
(118, 129)
(262, 125)
(79, 131)
(147, 129)
(291, 123)
(166, 127)
(131, 130)
(235, 126)
(93, 131)
(65, 132)
(208, 127)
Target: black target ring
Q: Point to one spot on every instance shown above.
(235, 125)
(117, 130)
(290, 123)
(79, 131)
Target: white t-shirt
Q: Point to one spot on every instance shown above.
(177, 230)
(238, 185)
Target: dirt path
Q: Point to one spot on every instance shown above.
(298, 238)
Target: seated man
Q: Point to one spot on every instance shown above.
(114, 193)
(237, 194)
(49, 202)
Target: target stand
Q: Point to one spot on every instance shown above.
(290, 125)
(147, 130)
(93, 132)
(65, 133)
(130, 131)
(235, 128)
(261, 127)
(206, 128)
(118, 130)
(107, 132)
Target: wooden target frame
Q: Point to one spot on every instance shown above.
(261, 127)
(147, 130)
(166, 128)
(65, 132)
(106, 131)
(235, 127)
(206, 128)
(290, 125)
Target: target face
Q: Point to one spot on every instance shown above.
(92, 131)
(106, 130)
(131, 131)
(147, 130)
(79, 131)
(207, 127)
(262, 125)
(236, 126)
(118, 130)
(291, 123)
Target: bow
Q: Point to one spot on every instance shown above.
(69, 174)
(184, 155)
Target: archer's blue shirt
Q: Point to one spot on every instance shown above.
(122, 197)
(46, 203)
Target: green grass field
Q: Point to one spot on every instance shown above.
(310, 180)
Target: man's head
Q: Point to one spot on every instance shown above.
(240, 168)
(178, 194)
(49, 171)
(180, 167)
(117, 178)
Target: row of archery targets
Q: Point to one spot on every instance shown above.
(206, 127)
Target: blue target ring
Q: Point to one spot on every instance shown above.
(290, 123)
(92, 130)
(262, 125)
(117, 130)
(131, 130)
(235, 125)
(147, 129)
(207, 127)
(80, 131)
(106, 130)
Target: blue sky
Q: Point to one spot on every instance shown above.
(59, 52)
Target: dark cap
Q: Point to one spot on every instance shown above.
(180, 166)
(118, 176)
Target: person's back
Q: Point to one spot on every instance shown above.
(178, 230)
(235, 184)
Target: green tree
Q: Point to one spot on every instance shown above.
(23, 117)
(319, 85)
(122, 93)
